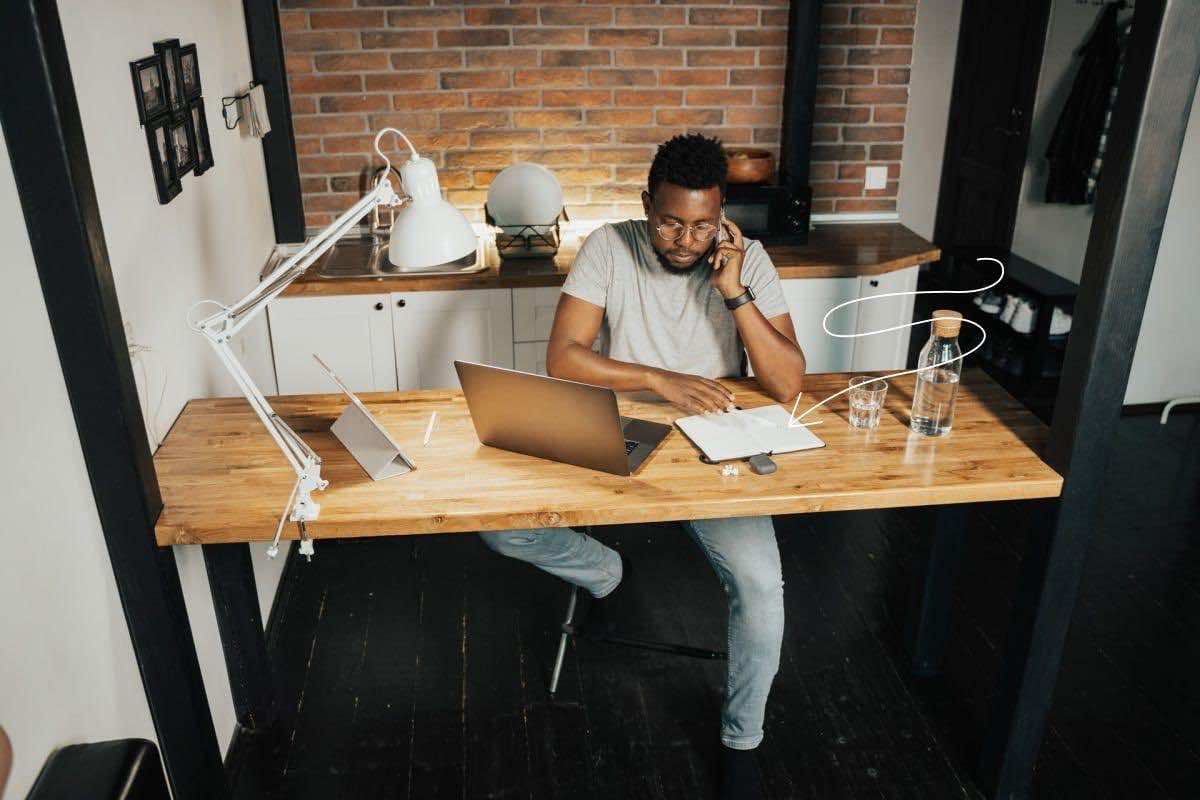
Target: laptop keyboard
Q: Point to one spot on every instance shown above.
(630, 444)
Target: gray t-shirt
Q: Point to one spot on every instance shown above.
(660, 318)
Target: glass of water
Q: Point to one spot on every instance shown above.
(866, 401)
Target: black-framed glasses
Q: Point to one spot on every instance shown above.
(673, 230)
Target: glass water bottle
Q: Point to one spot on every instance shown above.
(937, 386)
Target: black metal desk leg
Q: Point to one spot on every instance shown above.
(1149, 124)
(235, 598)
(929, 620)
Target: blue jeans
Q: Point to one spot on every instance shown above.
(745, 556)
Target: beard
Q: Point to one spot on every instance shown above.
(683, 269)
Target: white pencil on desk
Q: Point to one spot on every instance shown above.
(429, 429)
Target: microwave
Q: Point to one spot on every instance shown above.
(772, 214)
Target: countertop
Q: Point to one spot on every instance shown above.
(843, 250)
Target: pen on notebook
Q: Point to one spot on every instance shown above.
(429, 429)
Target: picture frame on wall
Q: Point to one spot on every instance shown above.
(148, 90)
(189, 72)
(168, 51)
(203, 149)
(162, 158)
(183, 143)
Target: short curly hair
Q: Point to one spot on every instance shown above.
(691, 160)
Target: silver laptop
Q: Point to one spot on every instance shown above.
(574, 423)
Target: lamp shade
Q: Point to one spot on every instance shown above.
(428, 231)
(525, 194)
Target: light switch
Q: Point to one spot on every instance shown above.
(876, 177)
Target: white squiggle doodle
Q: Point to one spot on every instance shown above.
(795, 420)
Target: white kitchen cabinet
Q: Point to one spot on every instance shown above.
(530, 357)
(432, 329)
(808, 299)
(351, 333)
(533, 313)
(885, 351)
(409, 340)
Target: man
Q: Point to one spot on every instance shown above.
(675, 306)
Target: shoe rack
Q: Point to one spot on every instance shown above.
(1028, 365)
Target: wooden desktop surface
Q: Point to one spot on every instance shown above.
(223, 479)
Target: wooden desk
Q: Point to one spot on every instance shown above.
(223, 480)
(224, 483)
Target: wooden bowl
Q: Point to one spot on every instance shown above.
(749, 165)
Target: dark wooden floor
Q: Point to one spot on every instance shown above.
(417, 667)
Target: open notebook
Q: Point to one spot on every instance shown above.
(741, 434)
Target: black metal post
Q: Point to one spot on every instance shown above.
(1154, 98)
(265, 41)
(929, 621)
(44, 135)
(799, 92)
(799, 110)
(239, 621)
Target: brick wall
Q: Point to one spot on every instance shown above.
(586, 89)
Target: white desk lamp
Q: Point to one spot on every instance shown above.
(427, 231)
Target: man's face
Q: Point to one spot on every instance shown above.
(688, 207)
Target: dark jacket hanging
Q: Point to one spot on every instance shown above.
(1076, 140)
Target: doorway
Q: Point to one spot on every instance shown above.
(991, 104)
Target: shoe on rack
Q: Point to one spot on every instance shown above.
(989, 302)
(1010, 307)
(1060, 323)
(1024, 316)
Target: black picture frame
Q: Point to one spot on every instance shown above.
(162, 158)
(168, 51)
(203, 148)
(183, 143)
(149, 94)
(189, 72)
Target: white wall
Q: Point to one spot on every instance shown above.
(1167, 361)
(67, 673)
(934, 49)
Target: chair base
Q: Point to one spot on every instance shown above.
(569, 630)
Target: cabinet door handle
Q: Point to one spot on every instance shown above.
(401, 302)
(379, 306)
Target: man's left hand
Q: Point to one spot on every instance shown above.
(726, 261)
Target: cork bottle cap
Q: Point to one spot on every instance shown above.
(946, 323)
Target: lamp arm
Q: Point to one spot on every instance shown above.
(220, 328)
(286, 273)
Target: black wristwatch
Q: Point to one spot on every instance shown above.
(740, 300)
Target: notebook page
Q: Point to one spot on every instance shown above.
(720, 436)
(770, 424)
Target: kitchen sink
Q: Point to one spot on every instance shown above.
(366, 257)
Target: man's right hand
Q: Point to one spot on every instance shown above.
(691, 392)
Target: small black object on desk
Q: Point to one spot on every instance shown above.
(761, 464)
